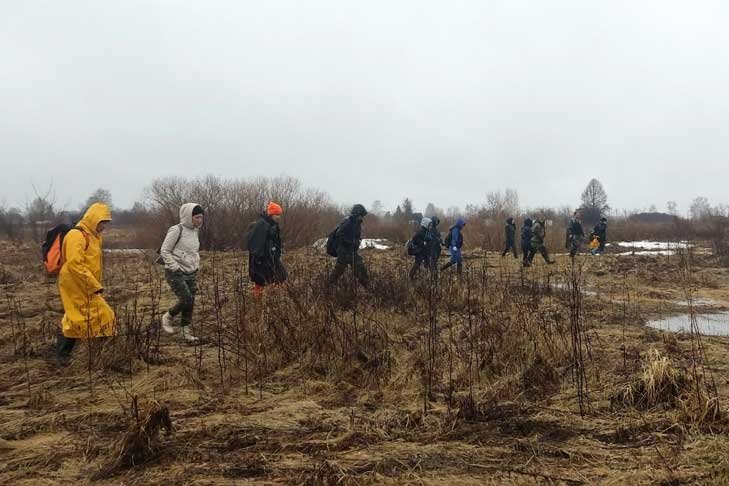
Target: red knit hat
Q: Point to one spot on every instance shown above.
(274, 209)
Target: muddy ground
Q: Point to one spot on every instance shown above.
(345, 386)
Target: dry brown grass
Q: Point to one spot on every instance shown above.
(471, 384)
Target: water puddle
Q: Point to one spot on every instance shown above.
(709, 324)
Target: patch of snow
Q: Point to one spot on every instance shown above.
(375, 244)
(567, 288)
(648, 253)
(655, 245)
(365, 244)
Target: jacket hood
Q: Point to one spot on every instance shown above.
(460, 222)
(425, 222)
(528, 222)
(510, 221)
(358, 210)
(186, 214)
(96, 213)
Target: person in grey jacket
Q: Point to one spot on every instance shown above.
(181, 255)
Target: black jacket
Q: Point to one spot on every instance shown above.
(434, 242)
(600, 230)
(575, 228)
(349, 235)
(419, 240)
(526, 233)
(264, 252)
(510, 231)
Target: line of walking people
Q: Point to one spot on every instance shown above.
(533, 235)
(426, 244)
(75, 255)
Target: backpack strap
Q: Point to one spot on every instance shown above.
(86, 236)
(179, 235)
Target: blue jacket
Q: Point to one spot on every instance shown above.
(456, 234)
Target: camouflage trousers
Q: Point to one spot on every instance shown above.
(184, 286)
(538, 248)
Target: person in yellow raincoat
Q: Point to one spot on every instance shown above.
(87, 315)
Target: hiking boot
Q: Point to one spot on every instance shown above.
(167, 323)
(186, 332)
(551, 262)
(526, 264)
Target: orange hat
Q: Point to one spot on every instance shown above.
(274, 209)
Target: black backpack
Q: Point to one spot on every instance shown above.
(160, 260)
(249, 234)
(449, 239)
(332, 240)
(412, 250)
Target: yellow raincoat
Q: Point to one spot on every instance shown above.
(87, 314)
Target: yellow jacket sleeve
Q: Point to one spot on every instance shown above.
(76, 262)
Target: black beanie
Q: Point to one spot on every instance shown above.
(197, 210)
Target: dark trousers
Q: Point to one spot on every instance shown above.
(184, 285)
(458, 264)
(575, 243)
(510, 245)
(343, 261)
(525, 247)
(430, 263)
(64, 345)
(538, 248)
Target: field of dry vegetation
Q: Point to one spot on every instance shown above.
(546, 375)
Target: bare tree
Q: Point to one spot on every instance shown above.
(500, 205)
(672, 208)
(433, 210)
(700, 208)
(98, 196)
(594, 202)
(41, 212)
(376, 208)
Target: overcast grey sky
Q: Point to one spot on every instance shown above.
(439, 101)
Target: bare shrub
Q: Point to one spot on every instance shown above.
(231, 205)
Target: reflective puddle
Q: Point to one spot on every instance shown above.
(709, 324)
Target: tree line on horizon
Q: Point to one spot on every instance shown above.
(231, 204)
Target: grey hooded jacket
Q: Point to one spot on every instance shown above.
(185, 255)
